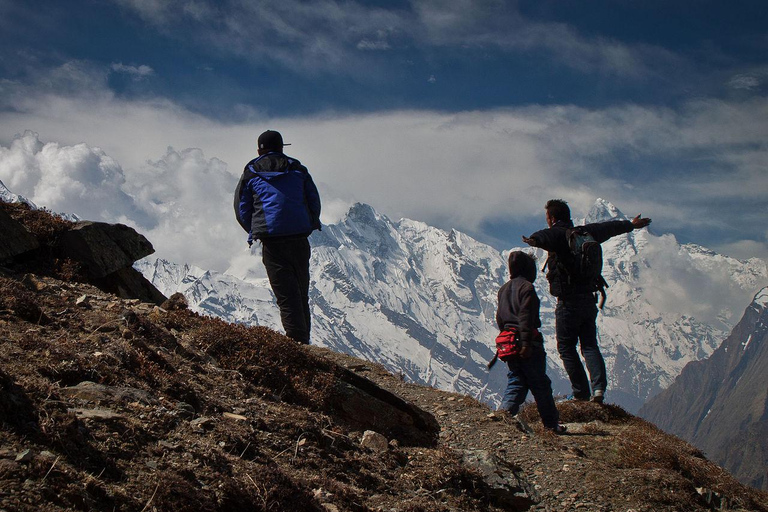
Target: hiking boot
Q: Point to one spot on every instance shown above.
(558, 430)
(598, 396)
(574, 398)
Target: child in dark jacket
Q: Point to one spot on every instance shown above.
(519, 311)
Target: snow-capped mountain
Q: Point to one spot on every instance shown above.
(9, 197)
(422, 302)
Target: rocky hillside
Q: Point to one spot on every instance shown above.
(113, 403)
(721, 404)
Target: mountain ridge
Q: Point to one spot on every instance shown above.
(422, 302)
(720, 404)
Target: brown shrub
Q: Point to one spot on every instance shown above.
(268, 489)
(42, 223)
(268, 360)
(579, 412)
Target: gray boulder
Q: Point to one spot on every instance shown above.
(129, 283)
(506, 485)
(103, 248)
(363, 404)
(16, 239)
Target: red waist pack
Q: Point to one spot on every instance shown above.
(507, 346)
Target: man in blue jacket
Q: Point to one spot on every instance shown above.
(576, 310)
(277, 203)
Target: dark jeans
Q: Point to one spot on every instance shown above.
(287, 264)
(530, 374)
(575, 324)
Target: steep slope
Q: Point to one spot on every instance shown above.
(721, 404)
(414, 298)
(422, 302)
(117, 405)
(114, 404)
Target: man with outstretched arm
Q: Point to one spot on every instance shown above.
(576, 310)
(277, 203)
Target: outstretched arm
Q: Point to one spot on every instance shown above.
(638, 222)
(548, 239)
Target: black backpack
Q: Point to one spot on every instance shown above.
(586, 261)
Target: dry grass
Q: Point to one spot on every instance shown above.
(41, 223)
(643, 445)
(268, 360)
(680, 472)
(20, 302)
(579, 412)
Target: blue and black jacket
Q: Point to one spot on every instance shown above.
(276, 197)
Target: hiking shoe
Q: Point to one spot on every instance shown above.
(574, 398)
(598, 396)
(558, 430)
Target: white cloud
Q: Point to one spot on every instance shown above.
(367, 44)
(673, 280)
(181, 202)
(744, 249)
(70, 179)
(189, 199)
(322, 35)
(453, 170)
(499, 24)
(328, 34)
(137, 72)
(748, 82)
(156, 11)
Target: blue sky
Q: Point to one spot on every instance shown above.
(462, 114)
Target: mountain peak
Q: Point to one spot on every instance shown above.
(604, 210)
(9, 197)
(715, 404)
(362, 212)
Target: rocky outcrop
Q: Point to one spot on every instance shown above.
(129, 283)
(104, 253)
(107, 253)
(503, 480)
(103, 248)
(363, 404)
(16, 240)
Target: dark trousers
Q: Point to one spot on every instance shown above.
(287, 264)
(575, 325)
(531, 374)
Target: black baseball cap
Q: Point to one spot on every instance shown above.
(271, 139)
